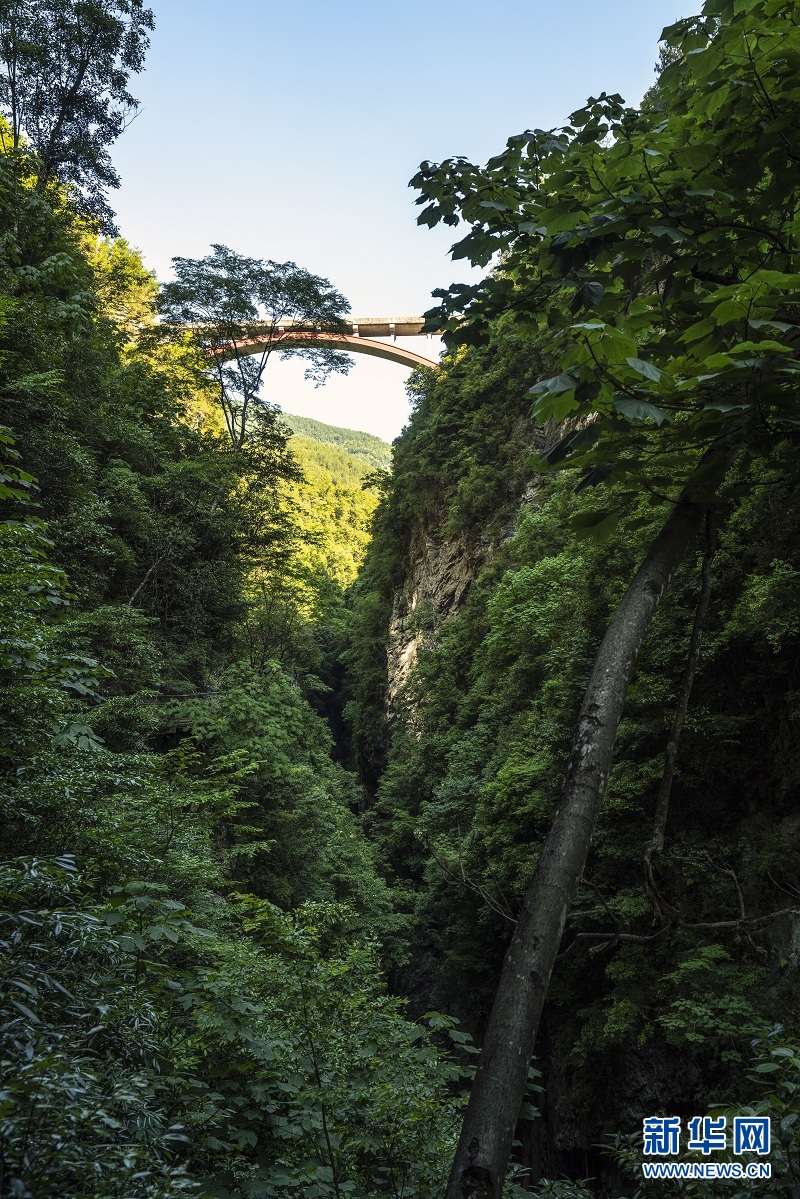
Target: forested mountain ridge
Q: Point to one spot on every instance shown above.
(365, 446)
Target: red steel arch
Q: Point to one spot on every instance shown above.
(287, 335)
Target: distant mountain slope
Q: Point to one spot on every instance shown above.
(371, 450)
(345, 469)
(330, 507)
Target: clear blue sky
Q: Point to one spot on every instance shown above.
(290, 131)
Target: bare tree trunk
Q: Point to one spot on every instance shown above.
(500, 1080)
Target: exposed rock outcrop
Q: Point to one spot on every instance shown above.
(439, 575)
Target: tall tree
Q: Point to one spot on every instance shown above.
(234, 307)
(655, 251)
(64, 70)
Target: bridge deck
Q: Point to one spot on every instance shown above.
(372, 326)
(387, 326)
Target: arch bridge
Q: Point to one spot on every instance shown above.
(359, 340)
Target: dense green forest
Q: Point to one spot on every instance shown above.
(285, 716)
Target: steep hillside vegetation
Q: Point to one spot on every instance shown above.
(648, 251)
(486, 692)
(190, 982)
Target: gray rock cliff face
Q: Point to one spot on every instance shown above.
(439, 576)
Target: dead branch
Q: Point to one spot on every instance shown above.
(463, 880)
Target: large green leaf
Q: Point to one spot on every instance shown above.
(634, 409)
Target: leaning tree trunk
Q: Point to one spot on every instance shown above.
(500, 1080)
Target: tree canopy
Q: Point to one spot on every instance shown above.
(653, 249)
(64, 88)
(226, 300)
